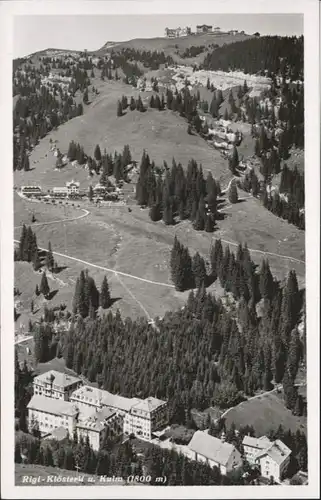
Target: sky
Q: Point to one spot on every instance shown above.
(33, 33)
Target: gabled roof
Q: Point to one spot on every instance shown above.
(211, 447)
(53, 406)
(278, 452)
(260, 443)
(59, 378)
(149, 404)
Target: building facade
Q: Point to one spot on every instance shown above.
(177, 32)
(273, 461)
(55, 385)
(31, 191)
(145, 417)
(51, 414)
(215, 452)
(203, 28)
(253, 446)
(72, 188)
(95, 426)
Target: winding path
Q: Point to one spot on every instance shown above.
(120, 273)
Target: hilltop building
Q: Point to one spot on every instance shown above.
(87, 397)
(203, 28)
(253, 446)
(96, 424)
(55, 385)
(177, 32)
(215, 452)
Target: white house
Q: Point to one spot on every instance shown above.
(55, 385)
(253, 446)
(203, 28)
(50, 414)
(145, 417)
(215, 452)
(60, 192)
(274, 460)
(72, 187)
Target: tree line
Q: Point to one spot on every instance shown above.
(178, 194)
(245, 350)
(266, 54)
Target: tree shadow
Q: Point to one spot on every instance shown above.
(58, 269)
(113, 300)
(52, 294)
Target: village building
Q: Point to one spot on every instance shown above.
(72, 188)
(145, 417)
(203, 28)
(50, 414)
(29, 191)
(274, 460)
(55, 385)
(99, 190)
(60, 192)
(95, 425)
(177, 32)
(87, 397)
(215, 452)
(253, 446)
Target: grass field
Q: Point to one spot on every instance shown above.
(44, 476)
(170, 45)
(163, 135)
(265, 413)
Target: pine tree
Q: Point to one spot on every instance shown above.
(105, 300)
(44, 286)
(119, 109)
(234, 160)
(49, 258)
(199, 270)
(97, 153)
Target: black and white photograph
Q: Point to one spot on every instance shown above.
(160, 295)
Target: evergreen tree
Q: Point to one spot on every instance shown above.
(234, 160)
(119, 109)
(49, 258)
(105, 300)
(199, 270)
(44, 286)
(97, 153)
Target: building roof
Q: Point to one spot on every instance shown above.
(59, 378)
(204, 26)
(51, 405)
(211, 447)
(149, 404)
(261, 443)
(97, 420)
(95, 396)
(278, 452)
(60, 189)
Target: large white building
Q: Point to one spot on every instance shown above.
(215, 452)
(51, 414)
(145, 417)
(56, 385)
(91, 397)
(61, 401)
